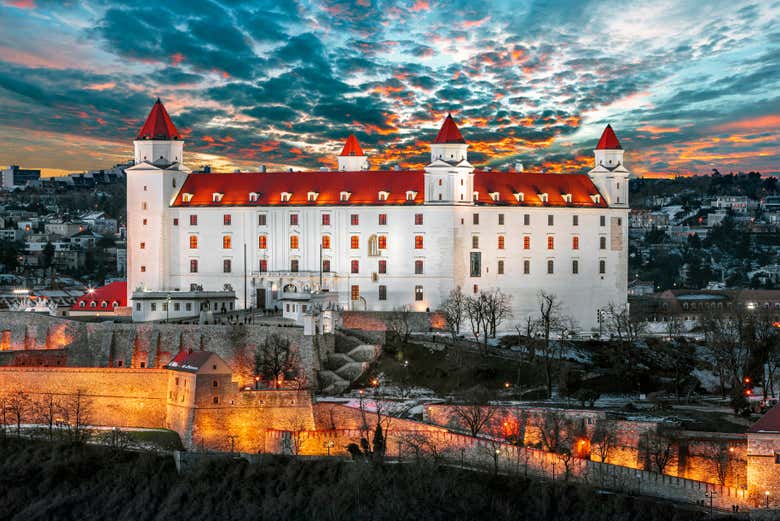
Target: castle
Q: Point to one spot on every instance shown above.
(373, 240)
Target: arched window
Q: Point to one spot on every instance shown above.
(82, 304)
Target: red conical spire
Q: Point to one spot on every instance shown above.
(449, 132)
(352, 147)
(159, 125)
(609, 140)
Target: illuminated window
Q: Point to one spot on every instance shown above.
(382, 242)
(602, 266)
(418, 293)
(226, 266)
(262, 219)
(418, 267)
(263, 265)
(293, 242)
(143, 245)
(575, 266)
(285, 197)
(227, 242)
(527, 242)
(326, 265)
(382, 292)
(411, 196)
(193, 242)
(262, 242)
(227, 219)
(253, 197)
(382, 219)
(500, 267)
(526, 267)
(326, 242)
(312, 196)
(193, 265)
(354, 242)
(500, 242)
(550, 266)
(294, 265)
(602, 243)
(383, 195)
(355, 266)
(293, 219)
(550, 242)
(418, 219)
(355, 292)
(216, 197)
(475, 241)
(382, 266)
(193, 220)
(354, 219)
(575, 243)
(418, 242)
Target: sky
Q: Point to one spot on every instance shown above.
(688, 86)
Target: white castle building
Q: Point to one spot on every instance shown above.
(374, 240)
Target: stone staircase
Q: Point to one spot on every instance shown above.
(347, 364)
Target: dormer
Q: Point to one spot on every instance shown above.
(494, 196)
(312, 196)
(596, 198)
(476, 196)
(344, 196)
(519, 197)
(254, 197)
(411, 195)
(186, 197)
(383, 195)
(544, 197)
(285, 197)
(216, 197)
(566, 198)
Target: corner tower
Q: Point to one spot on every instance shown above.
(610, 175)
(152, 183)
(449, 178)
(352, 158)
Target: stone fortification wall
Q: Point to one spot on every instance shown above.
(113, 397)
(378, 320)
(763, 455)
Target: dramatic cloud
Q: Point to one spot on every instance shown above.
(688, 86)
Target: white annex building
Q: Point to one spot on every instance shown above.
(374, 240)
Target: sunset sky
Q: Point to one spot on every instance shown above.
(688, 85)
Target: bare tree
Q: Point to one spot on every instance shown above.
(604, 439)
(527, 330)
(46, 409)
(726, 342)
(275, 358)
(660, 447)
(454, 309)
(554, 430)
(476, 313)
(497, 309)
(399, 324)
(3, 415)
(514, 428)
(18, 406)
(475, 412)
(549, 322)
(623, 325)
(719, 460)
(486, 311)
(673, 325)
(423, 447)
(76, 411)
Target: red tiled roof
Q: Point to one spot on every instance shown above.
(352, 147)
(769, 422)
(449, 133)
(110, 293)
(158, 125)
(190, 361)
(609, 140)
(365, 186)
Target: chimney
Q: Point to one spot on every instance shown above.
(518, 166)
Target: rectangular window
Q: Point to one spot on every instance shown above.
(475, 241)
(154, 306)
(500, 219)
(418, 267)
(193, 242)
(262, 242)
(263, 265)
(326, 242)
(193, 265)
(293, 219)
(550, 220)
(382, 292)
(176, 221)
(193, 220)
(575, 243)
(176, 306)
(550, 242)
(602, 220)
(144, 206)
(143, 245)
(354, 266)
(526, 267)
(382, 242)
(355, 292)
(418, 242)
(418, 293)
(550, 266)
(227, 219)
(527, 242)
(294, 265)
(526, 219)
(476, 264)
(138, 306)
(500, 242)
(602, 243)
(575, 220)
(475, 288)
(144, 222)
(261, 219)
(575, 266)
(418, 219)
(382, 219)
(326, 265)
(501, 267)
(475, 218)
(226, 266)
(382, 267)
(354, 219)
(326, 219)
(143, 269)
(293, 242)
(354, 242)
(227, 242)
(602, 266)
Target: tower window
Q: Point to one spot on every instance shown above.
(355, 266)
(526, 219)
(602, 243)
(418, 293)
(226, 266)
(193, 265)
(550, 242)
(382, 219)
(602, 220)
(500, 219)
(193, 242)
(575, 243)
(475, 264)
(294, 265)
(575, 220)
(293, 242)
(326, 219)
(261, 219)
(226, 219)
(550, 266)
(355, 292)
(227, 242)
(262, 242)
(382, 267)
(418, 267)
(143, 269)
(418, 219)
(194, 220)
(382, 242)
(176, 221)
(500, 267)
(382, 292)
(527, 242)
(475, 218)
(475, 241)
(326, 265)
(354, 242)
(526, 267)
(354, 219)
(326, 242)
(500, 242)
(575, 266)
(418, 242)
(602, 266)
(263, 265)
(143, 245)
(550, 220)
(293, 219)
